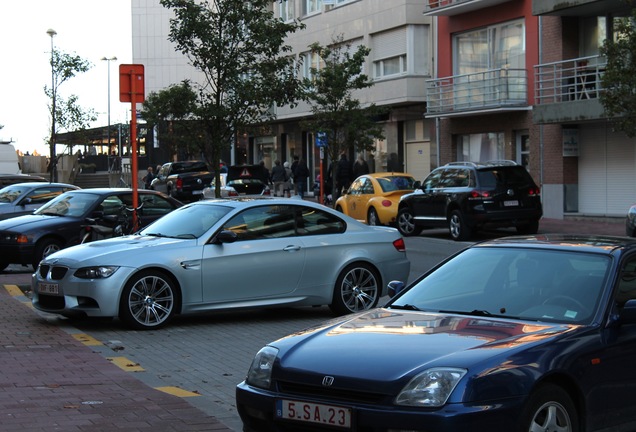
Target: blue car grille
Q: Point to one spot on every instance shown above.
(330, 393)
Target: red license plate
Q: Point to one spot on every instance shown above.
(48, 288)
(313, 413)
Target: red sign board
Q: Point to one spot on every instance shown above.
(131, 76)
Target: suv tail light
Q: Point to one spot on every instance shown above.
(399, 245)
(534, 191)
(179, 183)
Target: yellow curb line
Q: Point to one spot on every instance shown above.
(176, 391)
(125, 364)
(86, 339)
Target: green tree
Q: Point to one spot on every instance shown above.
(66, 114)
(619, 78)
(171, 111)
(240, 49)
(345, 123)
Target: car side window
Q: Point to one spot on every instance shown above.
(262, 222)
(367, 186)
(313, 222)
(627, 283)
(111, 205)
(356, 187)
(154, 205)
(433, 180)
(45, 194)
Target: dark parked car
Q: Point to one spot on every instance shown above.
(248, 180)
(9, 179)
(518, 334)
(183, 180)
(468, 196)
(57, 224)
(22, 198)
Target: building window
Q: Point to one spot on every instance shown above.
(312, 6)
(311, 62)
(480, 147)
(286, 10)
(400, 51)
(498, 46)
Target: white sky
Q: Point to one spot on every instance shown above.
(91, 29)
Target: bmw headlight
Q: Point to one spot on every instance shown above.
(97, 272)
(430, 388)
(260, 373)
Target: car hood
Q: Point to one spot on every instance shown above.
(386, 345)
(22, 223)
(119, 251)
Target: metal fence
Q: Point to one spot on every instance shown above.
(569, 80)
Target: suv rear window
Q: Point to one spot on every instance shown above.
(491, 178)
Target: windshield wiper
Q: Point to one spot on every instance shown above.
(50, 214)
(405, 307)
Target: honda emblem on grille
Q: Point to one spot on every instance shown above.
(327, 381)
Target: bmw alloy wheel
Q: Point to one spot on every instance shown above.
(148, 301)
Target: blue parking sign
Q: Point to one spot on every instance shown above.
(321, 139)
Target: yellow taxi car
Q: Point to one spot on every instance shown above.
(374, 198)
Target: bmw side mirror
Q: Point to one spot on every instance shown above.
(225, 236)
(395, 287)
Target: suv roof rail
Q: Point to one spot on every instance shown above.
(462, 163)
(500, 162)
(505, 162)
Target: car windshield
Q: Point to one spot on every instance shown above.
(69, 204)
(187, 222)
(393, 183)
(11, 193)
(528, 284)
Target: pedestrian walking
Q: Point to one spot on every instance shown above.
(278, 178)
(288, 180)
(148, 178)
(360, 167)
(343, 176)
(301, 174)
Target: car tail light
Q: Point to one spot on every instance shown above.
(232, 193)
(267, 192)
(480, 194)
(534, 191)
(179, 183)
(399, 245)
(386, 203)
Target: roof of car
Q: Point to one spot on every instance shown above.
(243, 201)
(41, 184)
(606, 245)
(485, 164)
(388, 174)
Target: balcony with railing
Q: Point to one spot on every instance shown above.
(568, 90)
(501, 89)
(456, 7)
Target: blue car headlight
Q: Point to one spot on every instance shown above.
(260, 373)
(430, 388)
(97, 272)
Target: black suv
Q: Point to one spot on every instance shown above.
(466, 196)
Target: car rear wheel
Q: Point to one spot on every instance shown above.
(357, 289)
(372, 217)
(531, 227)
(148, 301)
(458, 228)
(45, 248)
(406, 223)
(550, 408)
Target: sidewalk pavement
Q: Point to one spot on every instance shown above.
(51, 381)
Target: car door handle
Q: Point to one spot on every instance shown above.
(291, 248)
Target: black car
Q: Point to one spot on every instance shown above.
(532, 333)
(248, 180)
(56, 225)
(468, 196)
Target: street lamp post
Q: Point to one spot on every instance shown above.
(108, 60)
(53, 159)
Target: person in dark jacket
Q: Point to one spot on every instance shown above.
(278, 178)
(343, 176)
(360, 167)
(301, 174)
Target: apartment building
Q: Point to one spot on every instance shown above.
(519, 80)
(401, 60)
(588, 168)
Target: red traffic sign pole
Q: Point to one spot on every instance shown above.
(131, 89)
